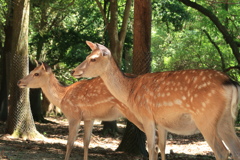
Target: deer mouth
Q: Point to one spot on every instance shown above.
(77, 75)
(20, 85)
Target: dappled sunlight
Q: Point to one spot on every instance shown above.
(101, 147)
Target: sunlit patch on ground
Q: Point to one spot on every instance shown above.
(101, 148)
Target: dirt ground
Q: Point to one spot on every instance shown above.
(101, 147)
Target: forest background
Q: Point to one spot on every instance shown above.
(184, 35)
(182, 38)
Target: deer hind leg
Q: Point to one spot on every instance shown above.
(162, 137)
(209, 132)
(88, 125)
(150, 131)
(228, 135)
(73, 130)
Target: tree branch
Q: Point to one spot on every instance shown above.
(102, 11)
(216, 46)
(230, 68)
(125, 20)
(113, 26)
(227, 37)
(65, 7)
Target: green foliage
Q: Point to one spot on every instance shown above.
(59, 29)
(170, 12)
(3, 12)
(182, 44)
(58, 34)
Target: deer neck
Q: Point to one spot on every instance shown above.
(116, 82)
(54, 91)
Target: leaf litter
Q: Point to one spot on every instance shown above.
(101, 147)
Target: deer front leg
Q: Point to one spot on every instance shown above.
(73, 130)
(88, 125)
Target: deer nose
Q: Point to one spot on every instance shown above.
(72, 72)
(19, 82)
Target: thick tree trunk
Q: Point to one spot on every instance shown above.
(117, 39)
(20, 122)
(142, 37)
(134, 140)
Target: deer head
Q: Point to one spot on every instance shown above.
(37, 77)
(99, 58)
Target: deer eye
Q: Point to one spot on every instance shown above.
(36, 74)
(92, 59)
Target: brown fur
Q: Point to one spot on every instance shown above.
(182, 102)
(85, 100)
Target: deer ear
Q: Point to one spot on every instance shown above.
(37, 63)
(46, 67)
(93, 46)
(105, 51)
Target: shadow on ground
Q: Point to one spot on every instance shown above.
(54, 148)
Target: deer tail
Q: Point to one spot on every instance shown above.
(235, 101)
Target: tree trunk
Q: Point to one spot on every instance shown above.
(116, 37)
(3, 100)
(3, 91)
(6, 66)
(109, 128)
(36, 105)
(134, 139)
(142, 37)
(45, 105)
(20, 122)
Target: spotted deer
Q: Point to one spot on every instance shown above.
(85, 100)
(182, 102)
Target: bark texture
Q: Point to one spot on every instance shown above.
(20, 121)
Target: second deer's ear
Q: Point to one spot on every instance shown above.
(93, 46)
(105, 51)
(43, 66)
(37, 63)
(46, 67)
